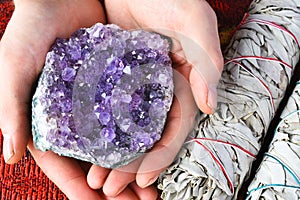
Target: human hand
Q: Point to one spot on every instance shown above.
(28, 37)
(196, 55)
(192, 26)
(32, 29)
(70, 176)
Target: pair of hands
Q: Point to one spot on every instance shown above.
(197, 59)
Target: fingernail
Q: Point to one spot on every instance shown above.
(8, 151)
(150, 182)
(212, 97)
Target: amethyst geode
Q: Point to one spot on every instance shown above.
(103, 95)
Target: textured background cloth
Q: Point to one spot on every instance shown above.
(25, 180)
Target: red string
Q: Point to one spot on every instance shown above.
(263, 84)
(265, 22)
(220, 165)
(262, 58)
(245, 20)
(234, 60)
(198, 141)
(227, 143)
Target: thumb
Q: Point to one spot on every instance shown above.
(180, 122)
(17, 75)
(201, 45)
(15, 130)
(27, 38)
(13, 110)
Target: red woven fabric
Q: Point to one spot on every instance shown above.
(6, 10)
(25, 180)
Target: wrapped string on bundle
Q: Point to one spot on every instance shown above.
(278, 176)
(218, 155)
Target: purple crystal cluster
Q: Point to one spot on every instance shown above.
(103, 95)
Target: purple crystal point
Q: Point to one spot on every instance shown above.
(103, 95)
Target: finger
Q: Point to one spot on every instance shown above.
(116, 182)
(179, 123)
(13, 118)
(162, 154)
(126, 175)
(96, 176)
(15, 135)
(202, 49)
(126, 194)
(22, 52)
(14, 102)
(65, 172)
(148, 193)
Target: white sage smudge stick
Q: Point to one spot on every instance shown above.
(278, 176)
(217, 158)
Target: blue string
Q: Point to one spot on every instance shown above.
(285, 117)
(276, 185)
(269, 186)
(285, 167)
(279, 161)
